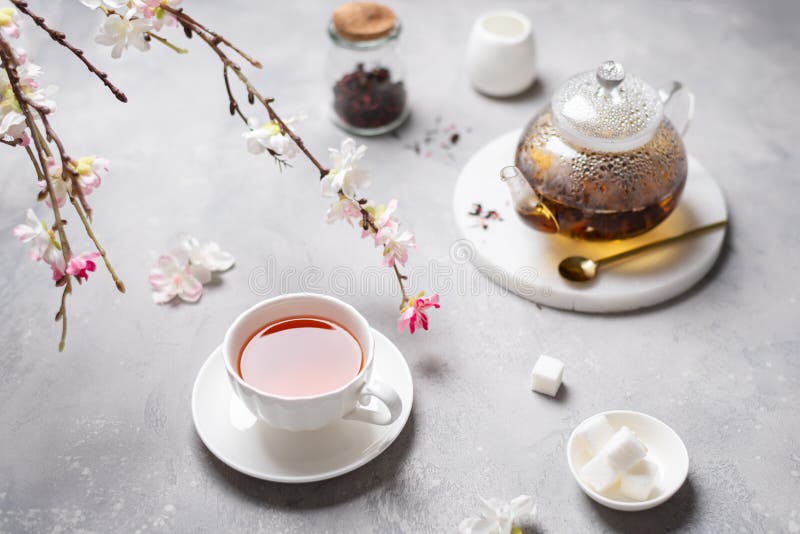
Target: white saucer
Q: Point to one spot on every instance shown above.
(236, 437)
(525, 261)
(664, 447)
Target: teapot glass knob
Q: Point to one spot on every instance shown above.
(610, 74)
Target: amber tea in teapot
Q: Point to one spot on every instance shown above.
(601, 162)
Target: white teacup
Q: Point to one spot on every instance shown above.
(315, 411)
(501, 55)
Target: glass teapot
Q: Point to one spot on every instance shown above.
(605, 159)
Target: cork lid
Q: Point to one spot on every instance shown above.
(363, 21)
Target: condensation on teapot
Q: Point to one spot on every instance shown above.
(603, 160)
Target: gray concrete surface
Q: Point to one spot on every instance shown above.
(100, 438)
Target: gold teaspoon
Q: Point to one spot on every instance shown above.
(580, 269)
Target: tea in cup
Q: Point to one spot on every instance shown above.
(303, 361)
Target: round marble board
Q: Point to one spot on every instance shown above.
(525, 261)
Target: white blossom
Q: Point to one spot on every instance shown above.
(12, 121)
(121, 32)
(345, 173)
(268, 136)
(498, 516)
(207, 255)
(110, 4)
(37, 234)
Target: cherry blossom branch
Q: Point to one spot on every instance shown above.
(66, 161)
(214, 40)
(10, 65)
(61, 314)
(43, 112)
(32, 110)
(61, 38)
(80, 204)
(368, 223)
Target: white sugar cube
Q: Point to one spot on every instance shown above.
(599, 473)
(594, 433)
(638, 482)
(623, 450)
(547, 375)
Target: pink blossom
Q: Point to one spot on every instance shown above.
(151, 9)
(81, 265)
(9, 22)
(173, 276)
(395, 244)
(414, 314)
(89, 171)
(385, 217)
(56, 262)
(384, 222)
(344, 209)
(12, 30)
(61, 188)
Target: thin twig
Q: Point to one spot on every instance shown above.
(61, 39)
(186, 20)
(402, 286)
(77, 190)
(62, 313)
(34, 162)
(90, 232)
(233, 104)
(167, 43)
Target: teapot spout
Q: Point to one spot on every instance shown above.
(527, 203)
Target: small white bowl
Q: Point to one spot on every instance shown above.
(664, 446)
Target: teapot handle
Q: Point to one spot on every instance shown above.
(678, 106)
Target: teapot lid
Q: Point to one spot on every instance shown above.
(606, 110)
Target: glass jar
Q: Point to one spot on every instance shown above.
(364, 71)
